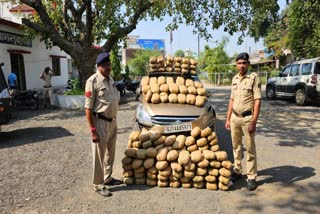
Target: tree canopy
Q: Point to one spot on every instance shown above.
(179, 53)
(77, 26)
(304, 28)
(139, 64)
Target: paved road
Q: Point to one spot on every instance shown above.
(45, 162)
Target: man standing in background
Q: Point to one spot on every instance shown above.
(47, 87)
(13, 84)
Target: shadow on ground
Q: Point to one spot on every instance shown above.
(290, 195)
(31, 135)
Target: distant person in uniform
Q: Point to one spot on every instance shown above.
(242, 117)
(13, 83)
(101, 107)
(46, 76)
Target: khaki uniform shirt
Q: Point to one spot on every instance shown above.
(245, 91)
(47, 79)
(101, 95)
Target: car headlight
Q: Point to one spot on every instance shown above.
(143, 116)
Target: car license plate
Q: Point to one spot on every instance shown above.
(177, 128)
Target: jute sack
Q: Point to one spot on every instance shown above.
(189, 82)
(178, 59)
(134, 135)
(155, 98)
(211, 186)
(153, 66)
(170, 140)
(182, 98)
(191, 90)
(153, 59)
(145, 89)
(128, 181)
(212, 136)
(193, 72)
(172, 155)
(164, 88)
(169, 69)
(192, 148)
(210, 178)
(226, 164)
(144, 135)
(128, 173)
(214, 172)
(141, 154)
(221, 155)
(208, 154)
(169, 80)
(185, 60)
(161, 80)
(153, 80)
(190, 166)
(160, 59)
(174, 184)
(193, 62)
(222, 186)
(198, 84)
(198, 185)
(190, 141)
(164, 98)
(145, 80)
(130, 152)
(173, 88)
(206, 132)
(173, 98)
(176, 166)
(127, 167)
(152, 152)
(201, 91)
(184, 157)
(162, 154)
(151, 182)
(195, 132)
(184, 71)
(155, 88)
(136, 144)
(180, 81)
(196, 156)
(148, 163)
(199, 101)
(215, 148)
(183, 89)
(191, 99)
(177, 69)
(179, 143)
(148, 96)
(126, 160)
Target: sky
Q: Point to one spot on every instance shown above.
(184, 39)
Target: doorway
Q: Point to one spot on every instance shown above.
(17, 66)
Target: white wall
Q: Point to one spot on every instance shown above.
(36, 61)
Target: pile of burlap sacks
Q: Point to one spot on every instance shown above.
(176, 160)
(171, 64)
(181, 90)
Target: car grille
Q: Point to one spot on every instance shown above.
(172, 120)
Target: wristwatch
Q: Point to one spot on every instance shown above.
(93, 130)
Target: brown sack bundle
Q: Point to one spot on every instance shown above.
(192, 90)
(162, 154)
(180, 81)
(182, 98)
(173, 88)
(153, 66)
(221, 155)
(184, 71)
(178, 59)
(164, 97)
(170, 140)
(164, 88)
(190, 141)
(192, 148)
(201, 171)
(155, 98)
(148, 163)
(193, 67)
(177, 65)
(153, 60)
(153, 80)
(186, 61)
(153, 70)
(134, 135)
(173, 98)
(196, 156)
(169, 69)
(126, 160)
(211, 186)
(189, 82)
(184, 157)
(226, 164)
(206, 132)
(161, 80)
(210, 178)
(178, 70)
(155, 88)
(169, 80)
(183, 89)
(163, 69)
(193, 62)
(144, 135)
(191, 99)
(208, 154)
(195, 132)
(141, 154)
(145, 80)
(172, 155)
(198, 84)
(185, 66)
(192, 71)
(145, 89)
(200, 101)
(201, 91)
(130, 152)
(225, 172)
(160, 59)
(152, 152)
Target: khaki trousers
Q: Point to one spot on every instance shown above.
(239, 126)
(48, 94)
(104, 151)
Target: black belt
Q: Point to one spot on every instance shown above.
(100, 116)
(242, 114)
(47, 86)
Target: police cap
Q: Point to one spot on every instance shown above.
(243, 56)
(102, 58)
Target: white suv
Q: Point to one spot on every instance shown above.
(300, 79)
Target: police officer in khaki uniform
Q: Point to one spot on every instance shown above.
(101, 106)
(243, 113)
(46, 76)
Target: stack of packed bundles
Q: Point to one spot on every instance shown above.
(177, 64)
(193, 66)
(169, 64)
(176, 160)
(153, 66)
(185, 65)
(161, 64)
(167, 89)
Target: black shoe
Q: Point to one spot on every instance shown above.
(252, 184)
(113, 182)
(104, 192)
(235, 176)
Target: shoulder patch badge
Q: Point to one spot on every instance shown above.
(88, 94)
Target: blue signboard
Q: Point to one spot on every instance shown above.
(151, 44)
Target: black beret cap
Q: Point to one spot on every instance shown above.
(102, 58)
(243, 55)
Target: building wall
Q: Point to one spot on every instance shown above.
(35, 62)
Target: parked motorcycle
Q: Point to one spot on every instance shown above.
(26, 100)
(121, 87)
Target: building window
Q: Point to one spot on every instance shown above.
(56, 67)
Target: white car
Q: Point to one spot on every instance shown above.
(300, 79)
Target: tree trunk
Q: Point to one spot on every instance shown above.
(86, 67)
